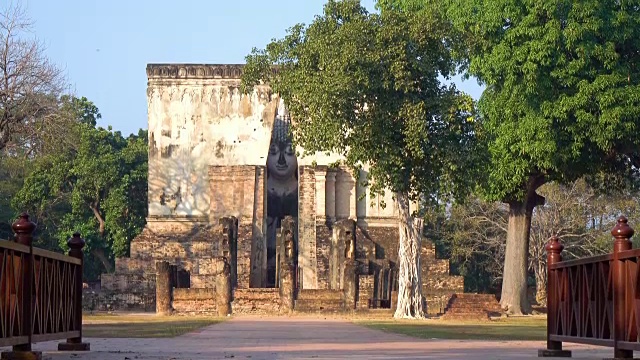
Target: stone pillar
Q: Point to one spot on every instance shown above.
(394, 300)
(345, 195)
(350, 283)
(223, 289)
(321, 189)
(350, 268)
(307, 261)
(342, 248)
(163, 288)
(362, 200)
(258, 262)
(288, 268)
(229, 246)
(330, 194)
(342, 195)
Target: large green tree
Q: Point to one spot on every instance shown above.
(97, 186)
(561, 101)
(368, 87)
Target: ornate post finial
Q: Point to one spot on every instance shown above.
(622, 230)
(76, 242)
(24, 228)
(554, 250)
(622, 233)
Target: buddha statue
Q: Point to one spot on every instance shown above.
(282, 185)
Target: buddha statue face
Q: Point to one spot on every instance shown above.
(281, 161)
(282, 164)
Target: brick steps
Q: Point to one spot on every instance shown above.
(256, 301)
(319, 300)
(471, 307)
(318, 294)
(319, 306)
(256, 294)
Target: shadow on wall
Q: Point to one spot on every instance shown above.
(178, 187)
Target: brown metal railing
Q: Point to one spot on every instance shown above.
(594, 300)
(40, 292)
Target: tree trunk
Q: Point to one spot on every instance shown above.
(541, 283)
(96, 213)
(514, 299)
(410, 302)
(99, 253)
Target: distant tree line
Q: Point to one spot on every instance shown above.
(471, 234)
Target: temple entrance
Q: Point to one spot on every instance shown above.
(282, 189)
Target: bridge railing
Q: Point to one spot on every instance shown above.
(40, 292)
(594, 300)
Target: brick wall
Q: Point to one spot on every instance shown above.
(437, 283)
(245, 238)
(256, 301)
(365, 290)
(194, 301)
(130, 292)
(239, 191)
(198, 251)
(323, 249)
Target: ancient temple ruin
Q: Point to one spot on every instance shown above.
(223, 178)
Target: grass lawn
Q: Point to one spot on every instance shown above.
(142, 326)
(521, 328)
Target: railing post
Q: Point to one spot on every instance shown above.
(622, 233)
(76, 243)
(23, 229)
(554, 255)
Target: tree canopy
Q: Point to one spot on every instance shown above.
(561, 100)
(96, 186)
(367, 86)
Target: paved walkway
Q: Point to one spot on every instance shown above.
(304, 338)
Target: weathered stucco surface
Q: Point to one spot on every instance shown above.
(198, 117)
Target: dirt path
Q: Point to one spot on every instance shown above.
(304, 338)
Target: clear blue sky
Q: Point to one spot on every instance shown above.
(105, 45)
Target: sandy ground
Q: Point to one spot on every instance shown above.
(304, 338)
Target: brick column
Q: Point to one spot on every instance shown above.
(307, 257)
(163, 288)
(223, 289)
(350, 284)
(350, 281)
(258, 262)
(288, 269)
